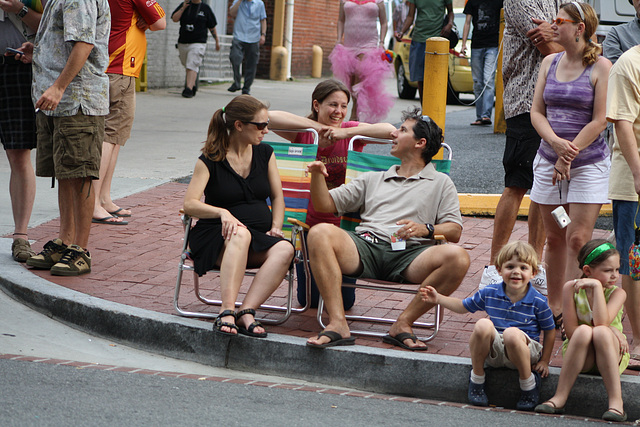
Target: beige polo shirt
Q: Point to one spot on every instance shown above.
(382, 198)
(623, 103)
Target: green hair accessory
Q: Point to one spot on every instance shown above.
(597, 252)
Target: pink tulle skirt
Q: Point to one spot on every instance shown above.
(374, 102)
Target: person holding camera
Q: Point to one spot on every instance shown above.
(571, 167)
(195, 19)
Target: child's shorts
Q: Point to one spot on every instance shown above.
(497, 357)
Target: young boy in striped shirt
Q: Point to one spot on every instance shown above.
(510, 337)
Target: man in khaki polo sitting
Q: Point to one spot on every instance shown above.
(414, 195)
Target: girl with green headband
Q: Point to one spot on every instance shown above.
(592, 308)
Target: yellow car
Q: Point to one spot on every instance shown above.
(460, 80)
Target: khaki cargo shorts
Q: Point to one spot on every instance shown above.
(69, 147)
(122, 109)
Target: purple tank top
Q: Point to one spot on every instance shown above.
(569, 109)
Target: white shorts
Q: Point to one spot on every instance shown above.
(192, 55)
(497, 357)
(588, 184)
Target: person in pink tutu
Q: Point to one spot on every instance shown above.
(359, 60)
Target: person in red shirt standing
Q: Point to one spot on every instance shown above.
(127, 48)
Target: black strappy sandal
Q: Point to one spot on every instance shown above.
(218, 324)
(249, 331)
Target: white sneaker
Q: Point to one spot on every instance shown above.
(490, 276)
(539, 281)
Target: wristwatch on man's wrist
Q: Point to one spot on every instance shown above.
(430, 230)
(23, 12)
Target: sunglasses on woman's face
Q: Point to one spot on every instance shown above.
(259, 125)
(560, 21)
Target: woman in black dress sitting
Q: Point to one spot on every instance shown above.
(236, 229)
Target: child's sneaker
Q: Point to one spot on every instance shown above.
(530, 398)
(476, 394)
(539, 281)
(51, 254)
(490, 276)
(74, 261)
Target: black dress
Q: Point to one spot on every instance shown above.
(244, 198)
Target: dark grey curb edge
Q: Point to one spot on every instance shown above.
(419, 375)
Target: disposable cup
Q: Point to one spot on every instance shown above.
(397, 244)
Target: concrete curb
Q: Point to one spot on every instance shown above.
(419, 375)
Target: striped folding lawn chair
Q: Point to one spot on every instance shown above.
(291, 160)
(357, 164)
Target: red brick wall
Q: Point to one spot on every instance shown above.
(314, 22)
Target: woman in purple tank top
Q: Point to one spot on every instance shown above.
(571, 168)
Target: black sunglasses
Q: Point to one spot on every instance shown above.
(259, 125)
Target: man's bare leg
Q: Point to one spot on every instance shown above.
(505, 219)
(22, 189)
(191, 78)
(332, 253)
(102, 187)
(75, 201)
(442, 267)
(537, 235)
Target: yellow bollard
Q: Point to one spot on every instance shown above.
(278, 63)
(316, 62)
(500, 123)
(141, 82)
(436, 75)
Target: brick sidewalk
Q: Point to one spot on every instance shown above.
(137, 265)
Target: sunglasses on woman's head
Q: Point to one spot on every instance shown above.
(560, 21)
(260, 125)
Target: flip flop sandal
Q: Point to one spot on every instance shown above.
(398, 341)
(116, 213)
(218, 324)
(106, 220)
(335, 340)
(249, 331)
(477, 123)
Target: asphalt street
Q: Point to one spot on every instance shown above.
(96, 392)
(51, 395)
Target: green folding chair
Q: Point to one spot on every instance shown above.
(357, 164)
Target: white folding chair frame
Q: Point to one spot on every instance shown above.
(186, 264)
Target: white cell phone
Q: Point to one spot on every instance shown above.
(14, 51)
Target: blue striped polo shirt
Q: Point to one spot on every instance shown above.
(531, 314)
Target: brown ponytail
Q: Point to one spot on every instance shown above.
(241, 108)
(592, 49)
